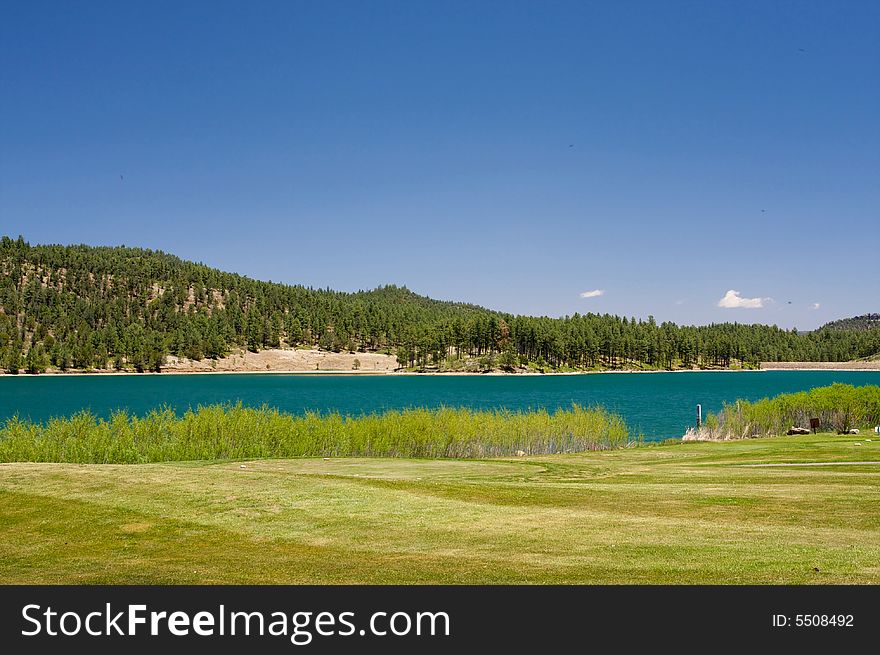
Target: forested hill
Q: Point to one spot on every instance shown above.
(864, 322)
(98, 307)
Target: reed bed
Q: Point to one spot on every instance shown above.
(236, 432)
(839, 407)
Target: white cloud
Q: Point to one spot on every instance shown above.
(681, 301)
(595, 293)
(816, 305)
(732, 300)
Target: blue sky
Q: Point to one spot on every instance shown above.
(511, 154)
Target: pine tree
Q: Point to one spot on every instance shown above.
(36, 360)
(13, 361)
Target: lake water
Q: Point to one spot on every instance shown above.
(659, 405)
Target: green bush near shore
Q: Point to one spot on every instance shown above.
(236, 432)
(839, 407)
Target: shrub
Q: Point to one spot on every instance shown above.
(838, 407)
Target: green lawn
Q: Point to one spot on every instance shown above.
(684, 513)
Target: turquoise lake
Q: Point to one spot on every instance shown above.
(659, 405)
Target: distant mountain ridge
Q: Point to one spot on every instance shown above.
(855, 323)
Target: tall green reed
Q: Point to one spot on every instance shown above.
(237, 432)
(839, 407)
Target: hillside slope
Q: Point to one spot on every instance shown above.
(855, 323)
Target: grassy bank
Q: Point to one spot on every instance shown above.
(685, 513)
(236, 432)
(839, 408)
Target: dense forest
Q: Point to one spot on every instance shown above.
(82, 307)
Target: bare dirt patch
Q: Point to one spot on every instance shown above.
(287, 360)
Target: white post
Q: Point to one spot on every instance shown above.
(699, 416)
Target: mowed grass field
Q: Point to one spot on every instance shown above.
(683, 513)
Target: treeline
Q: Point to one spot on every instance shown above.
(81, 307)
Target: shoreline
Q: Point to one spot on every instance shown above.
(329, 372)
(822, 366)
(311, 361)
